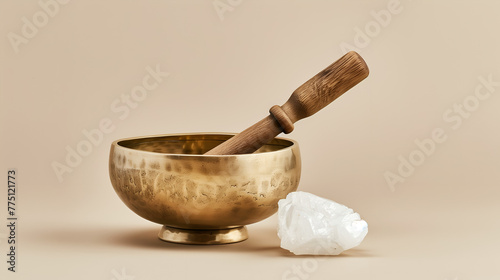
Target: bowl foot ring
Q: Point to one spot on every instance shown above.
(203, 236)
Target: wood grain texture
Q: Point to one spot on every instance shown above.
(306, 100)
(249, 140)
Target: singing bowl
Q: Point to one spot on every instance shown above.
(202, 199)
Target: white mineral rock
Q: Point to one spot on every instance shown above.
(312, 225)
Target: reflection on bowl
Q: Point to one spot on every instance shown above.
(202, 199)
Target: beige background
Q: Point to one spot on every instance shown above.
(440, 223)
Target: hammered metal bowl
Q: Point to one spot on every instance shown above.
(202, 199)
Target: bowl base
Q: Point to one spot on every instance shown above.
(204, 237)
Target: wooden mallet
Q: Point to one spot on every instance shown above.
(305, 101)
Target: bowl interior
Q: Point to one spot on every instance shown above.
(196, 144)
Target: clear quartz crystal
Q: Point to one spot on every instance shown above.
(312, 225)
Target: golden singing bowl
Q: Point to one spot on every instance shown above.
(202, 199)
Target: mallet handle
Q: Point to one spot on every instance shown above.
(305, 101)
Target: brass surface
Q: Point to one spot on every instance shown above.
(204, 237)
(166, 179)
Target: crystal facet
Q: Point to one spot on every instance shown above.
(312, 225)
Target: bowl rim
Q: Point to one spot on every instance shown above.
(115, 144)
